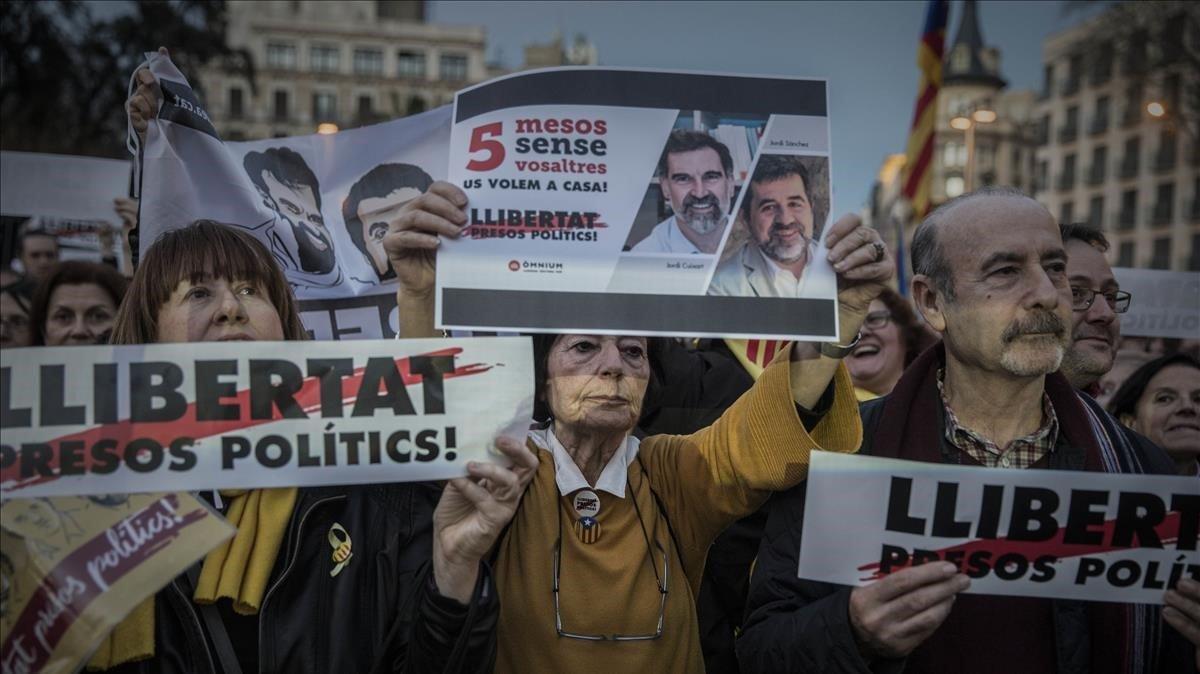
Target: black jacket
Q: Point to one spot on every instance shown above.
(381, 613)
(795, 625)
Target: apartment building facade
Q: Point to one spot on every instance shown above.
(338, 64)
(1115, 144)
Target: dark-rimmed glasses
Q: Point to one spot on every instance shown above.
(662, 606)
(1082, 298)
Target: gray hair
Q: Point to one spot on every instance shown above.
(928, 259)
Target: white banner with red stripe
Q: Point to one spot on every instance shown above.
(189, 417)
(1032, 533)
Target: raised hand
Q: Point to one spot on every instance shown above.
(861, 261)
(412, 238)
(143, 104)
(894, 615)
(471, 514)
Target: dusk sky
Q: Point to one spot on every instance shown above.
(867, 51)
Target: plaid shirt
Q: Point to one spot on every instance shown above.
(1020, 453)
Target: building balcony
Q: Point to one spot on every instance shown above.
(1065, 182)
(1067, 134)
(1161, 214)
(1098, 125)
(1128, 168)
(1165, 160)
(1072, 85)
(1095, 174)
(1126, 218)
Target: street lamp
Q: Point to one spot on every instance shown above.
(1156, 109)
(966, 120)
(327, 128)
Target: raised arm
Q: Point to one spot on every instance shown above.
(863, 269)
(411, 244)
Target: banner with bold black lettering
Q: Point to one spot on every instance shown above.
(625, 201)
(320, 203)
(71, 568)
(1033, 533)
(187, 417)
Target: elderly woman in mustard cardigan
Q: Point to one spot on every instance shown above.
(599, 569)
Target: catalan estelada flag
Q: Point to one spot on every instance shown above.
(919, 156)
(755, 354)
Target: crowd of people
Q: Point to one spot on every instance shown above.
(652, 519)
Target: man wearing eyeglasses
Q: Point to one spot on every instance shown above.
(990, 276)
(1096, 299)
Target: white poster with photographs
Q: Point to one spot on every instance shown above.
(320, 203)
(642, 202)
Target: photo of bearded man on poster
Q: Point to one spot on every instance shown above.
(290, 189)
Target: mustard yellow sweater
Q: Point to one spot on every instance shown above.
(705, 481)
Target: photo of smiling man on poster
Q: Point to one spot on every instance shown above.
(782, 209)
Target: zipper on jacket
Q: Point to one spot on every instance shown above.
(187, 603)
(291, 561)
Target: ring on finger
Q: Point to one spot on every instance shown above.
(880, 251)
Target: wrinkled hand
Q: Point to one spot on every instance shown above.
(143, 104)
(894, 615)
(853, 253)
(1182, 611)
(471, 514)
(412, 238)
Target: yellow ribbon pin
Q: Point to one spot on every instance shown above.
(339, 540)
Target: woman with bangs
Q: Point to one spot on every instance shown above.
(417, 596)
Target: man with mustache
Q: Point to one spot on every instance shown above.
(1096, 299)
(779, 214)
(990, 275)
(695, 173)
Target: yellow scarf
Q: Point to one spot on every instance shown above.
(238, 570)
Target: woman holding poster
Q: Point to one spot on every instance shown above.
(314, 580)
(618, 528)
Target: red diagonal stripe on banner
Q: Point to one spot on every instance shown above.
(308, 398)
(1167, 530)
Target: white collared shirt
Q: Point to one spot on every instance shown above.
(783, 281)
(570, 479)
(666, 237)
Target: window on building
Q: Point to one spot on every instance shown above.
(365, 108)
(1066, 212)
(1194, 258)
(1072, 117)
(954, 186)
(960, 59)
(1048, 80)
(950, 154)
(1100, 121)
(1125, 254)
(1161, 258)
(453, 67)
(281, 55)
(985, 155)
(1102, 63)
(1164, 203)
(237, 105)
(280, 111)
(1095, 215)
(1041, 176)
(324, 107)
(410, 63)
(1127, 218)
(368, 62)
(1067, 179)
(1131, 158)
(325, 58)
(1099, 162)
